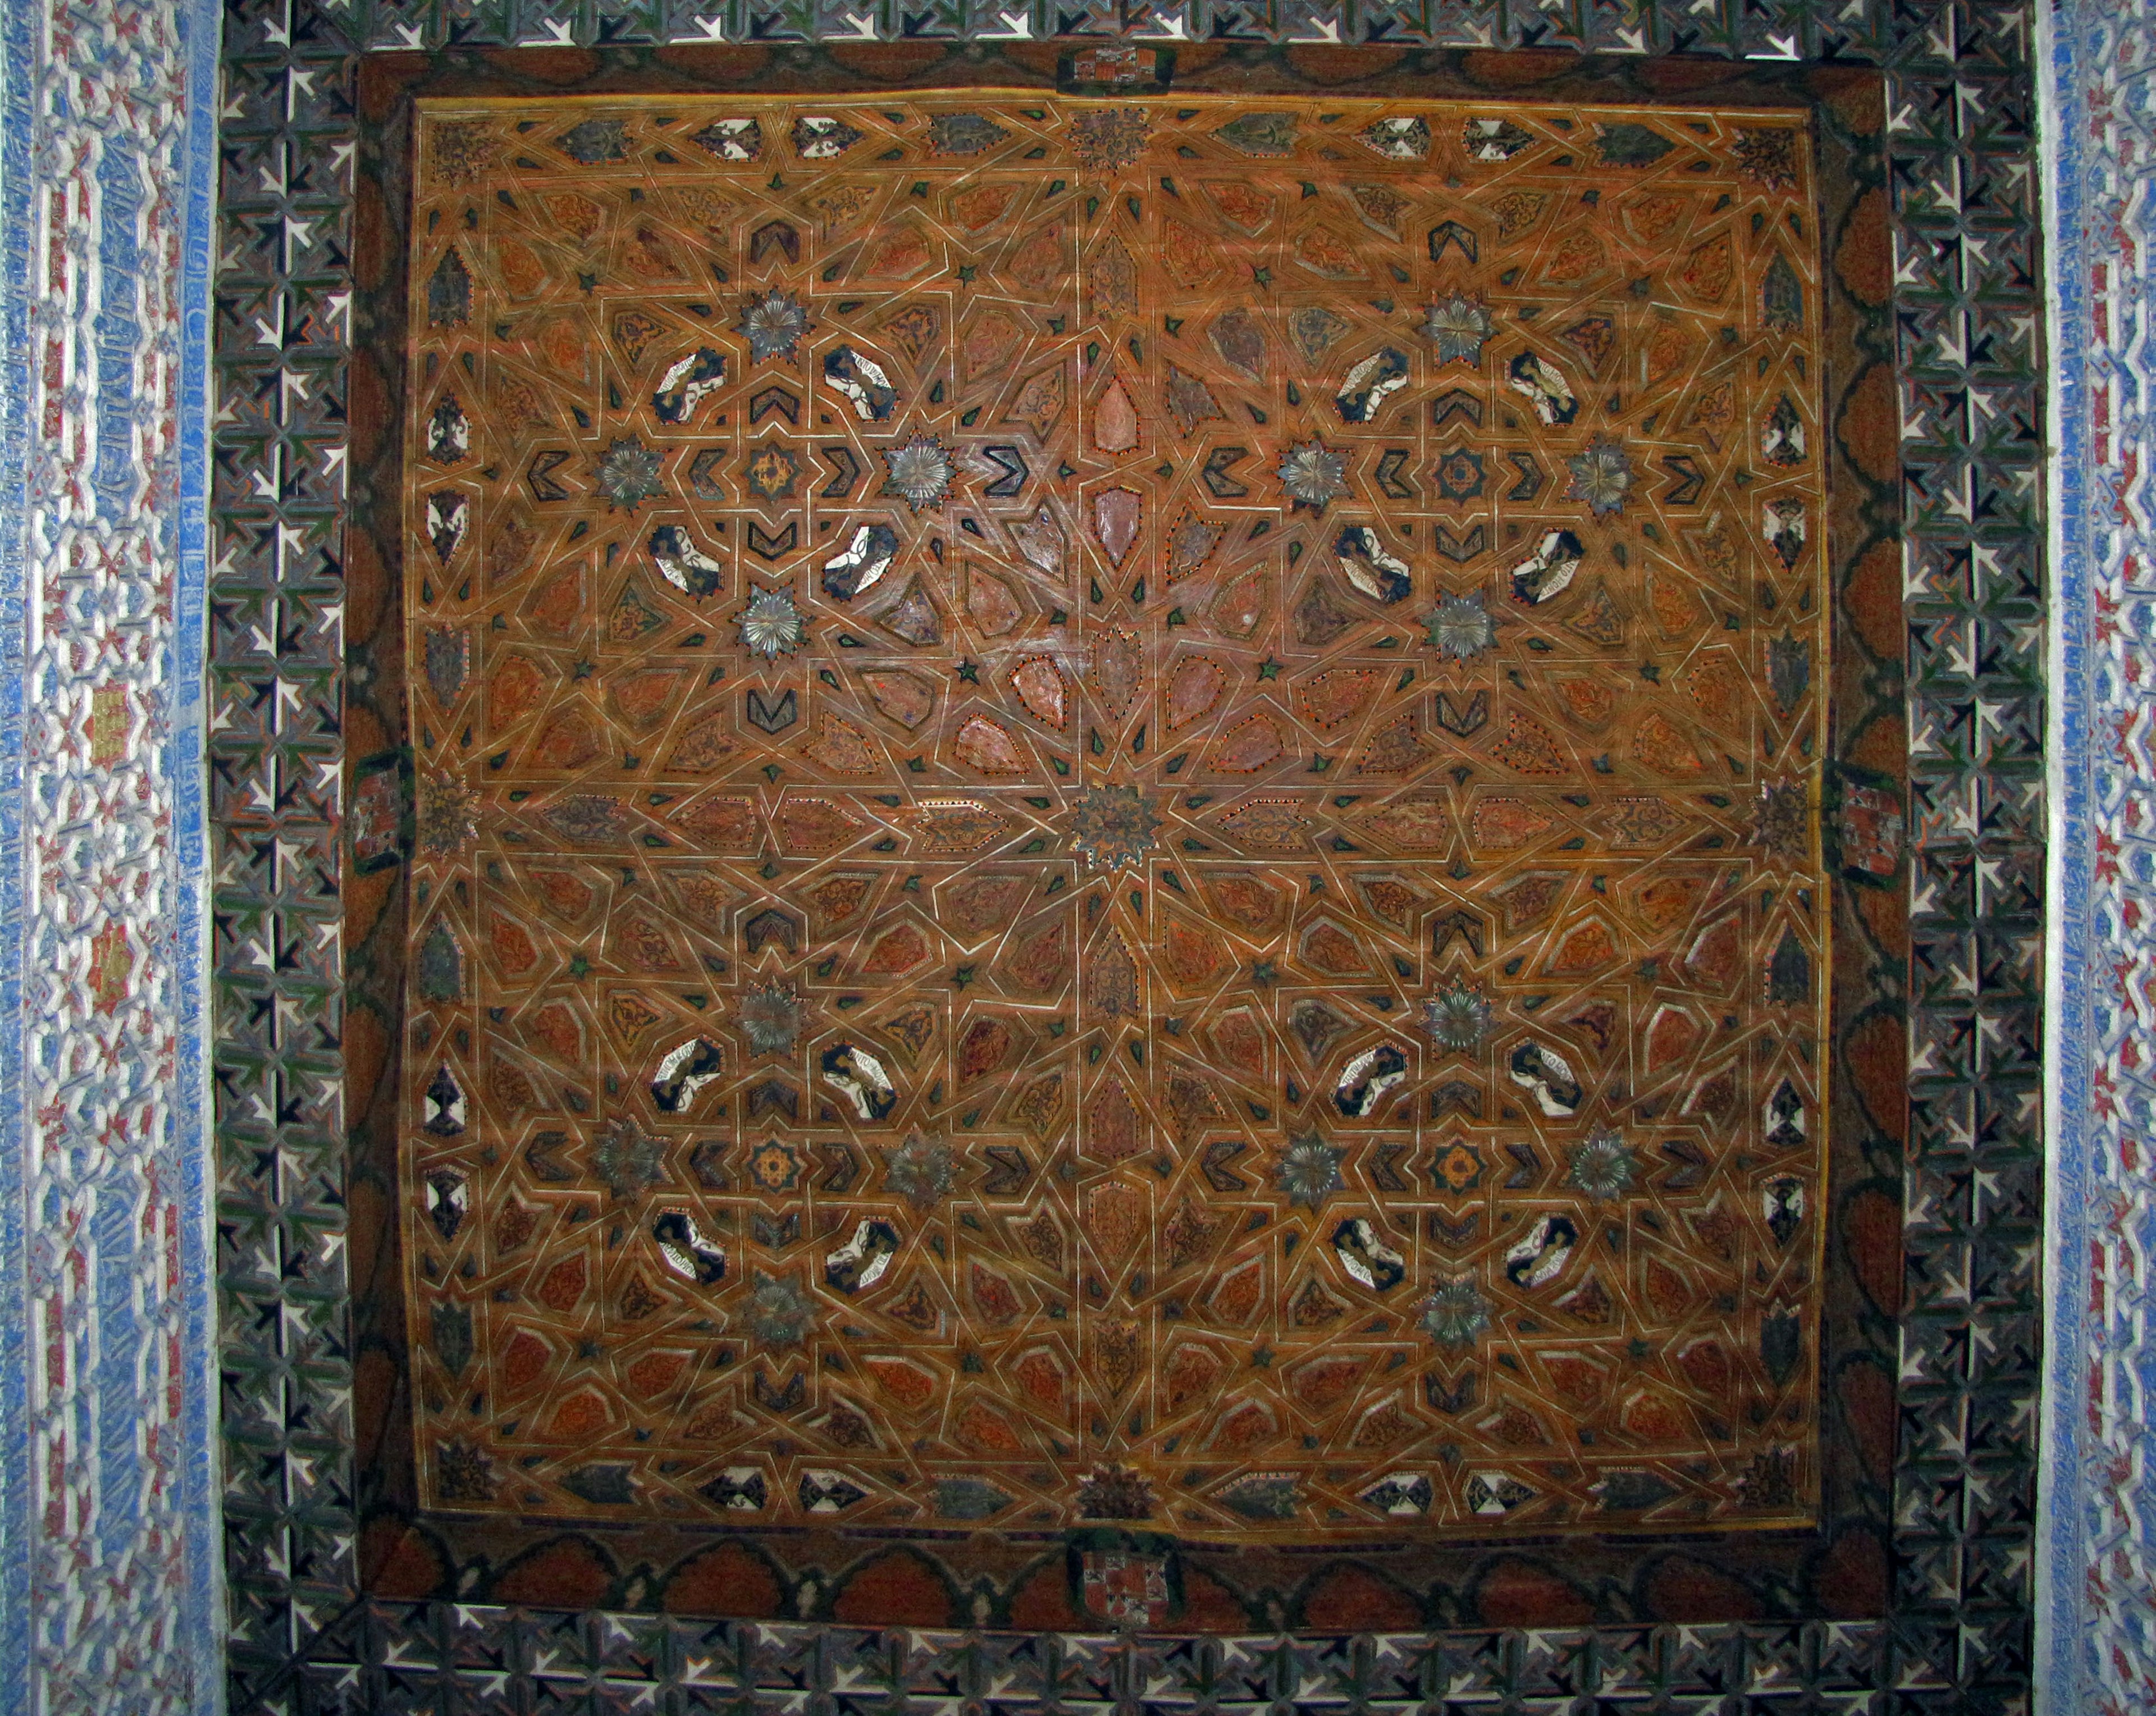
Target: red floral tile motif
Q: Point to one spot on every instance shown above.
(1117, 815)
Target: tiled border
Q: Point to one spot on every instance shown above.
(405, 1657)
(1968, 268)
(2097, 1550)
(108, 1501)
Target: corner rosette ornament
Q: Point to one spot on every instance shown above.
(771, 625)
(1601, 476)
(1314, 475)
(461, 151)
(629, 473)
(1458, 328)
(1455, 1315)
(773, 324)
(919, 1172)
(1769, 157)
(1457, 1018)
(779, 1314)
(465, 1473)
(1309, 1171)
(1461, 627)
(920, 472)
(1603, 1169)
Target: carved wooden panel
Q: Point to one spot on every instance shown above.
(1117, 814)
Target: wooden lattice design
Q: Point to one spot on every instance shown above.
(1117, 814)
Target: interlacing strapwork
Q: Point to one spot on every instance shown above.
(1117, 814)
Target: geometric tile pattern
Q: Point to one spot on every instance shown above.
(1966, 265)
(2097, 1527)
(1967, 247)
(388, 1657)
(275, 765)
(862, 736)
(109, 1506)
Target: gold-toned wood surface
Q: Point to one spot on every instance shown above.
(1116, 813)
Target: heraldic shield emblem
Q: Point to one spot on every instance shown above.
(1125, 1589)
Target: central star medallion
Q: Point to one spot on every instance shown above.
(1113, 826)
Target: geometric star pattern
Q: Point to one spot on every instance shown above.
(1966, 301)
(1116, 813)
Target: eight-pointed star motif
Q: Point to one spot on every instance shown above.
(1215, 975)
(772, 324)
(772, 626)
(920, 472)
(1314, 473)
(1112, 826)
(1601, 476)
(1458, 326)
(629, 472)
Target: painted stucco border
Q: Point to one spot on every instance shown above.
(110, 1578)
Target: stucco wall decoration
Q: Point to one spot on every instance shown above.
(346, 1586)
(2098, 1543)
(108, 1505)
